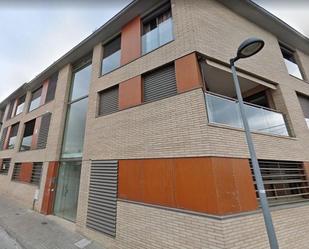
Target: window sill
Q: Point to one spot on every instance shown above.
(253, 132)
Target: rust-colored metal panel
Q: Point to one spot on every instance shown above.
(158, 182)
(188, 75)
(25, 172)
(130, 93)
(44, 92)
(130, 180)
(195, 186)
(36, 131)
(244, 185)
(131, 41)
(49, 190)
(7, 138)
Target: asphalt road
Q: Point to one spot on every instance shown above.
(7, 242)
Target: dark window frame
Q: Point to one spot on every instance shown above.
(111, 51)
(13, 134)
(32, 127)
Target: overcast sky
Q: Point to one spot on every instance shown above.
(35, 33)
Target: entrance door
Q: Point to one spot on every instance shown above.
(67, 190)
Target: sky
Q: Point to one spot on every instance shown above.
(35, 33)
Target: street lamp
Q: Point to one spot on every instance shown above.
(246, 49)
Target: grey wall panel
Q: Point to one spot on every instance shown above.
(160, 83)
(44, 129)
(102, 202)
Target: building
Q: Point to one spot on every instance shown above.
(135, 133)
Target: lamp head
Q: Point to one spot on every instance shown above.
(249, 47)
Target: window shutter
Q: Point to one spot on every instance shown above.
(304, 102)
(109, 101)
(43, 133)
(52, 85)
(3, 136)
(160, 84)
(16, 171)
(36, 173)
(102, 203)
(5, 166)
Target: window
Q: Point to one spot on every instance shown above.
(20, 105)
(73, 140)
(35, 99)
(304, 103)
(11, 106)
(13, 135)
(284, 181)
(157, 29)
(36, 173)
(16, 172)
(27, 137)
(290, 62)
(3, 137)
(160, 83)
(5, 166)
(109, 101)
(111, 55)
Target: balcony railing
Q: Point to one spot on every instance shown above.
(111, 62)
(293, 69)
(158, 36)
(26, 143)
(226, 111)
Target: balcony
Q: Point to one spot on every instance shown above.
(293, 69)
(158, 36)
(225, 111)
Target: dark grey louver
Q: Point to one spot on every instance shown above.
(16, 171)
(36, 173)
(160, 83)
(52, 85)
(102, 203)
(304, 102)
(109, 101)
(2, 140)
(43, 133)
(4, 168)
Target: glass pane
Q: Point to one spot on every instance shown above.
(80, 83)
(111, 62)
(166, 31)
(26, 143)
(307, 121)
(275, 123)
(75, 129)
(223, 111)
(293, 69)
(150, 41)
(67, 190)
(256, 118)
(35, 104)
(12, 142)
(20, 108)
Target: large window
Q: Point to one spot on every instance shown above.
(304, 102)
(290, 62)
(157, 29)
(77, 112)
(284, 181)
(35, 99)
(13, 135)
(111, 55)
(27, 137)
(20, 105)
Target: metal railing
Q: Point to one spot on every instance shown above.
(224, 110)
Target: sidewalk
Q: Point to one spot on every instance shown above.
(32, 230)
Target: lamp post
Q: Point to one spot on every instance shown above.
(246, 49)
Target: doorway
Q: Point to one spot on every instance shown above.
(66, 200)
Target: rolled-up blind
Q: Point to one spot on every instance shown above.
(160, 84)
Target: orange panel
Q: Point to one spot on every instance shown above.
(194, 185)
(36, 133)
(157, 182)
(49, 190)
(188, 75)
(130, 180)
(44, 92)
(244, 185)
(131, 41)
(25, 172)
(130, 93)
(306, 168)
(211, 185)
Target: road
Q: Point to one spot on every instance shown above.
(7, 242)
